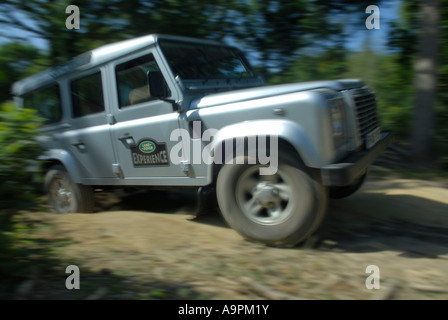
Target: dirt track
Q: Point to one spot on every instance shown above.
(147, 246)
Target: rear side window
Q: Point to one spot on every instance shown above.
(87, 95)
(46, 102)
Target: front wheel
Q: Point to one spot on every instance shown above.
(282, 209)
(66, 196)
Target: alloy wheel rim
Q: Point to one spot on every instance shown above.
(61, 194)
(265, 199)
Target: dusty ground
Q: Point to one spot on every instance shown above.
(147, 246)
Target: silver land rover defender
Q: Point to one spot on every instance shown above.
(164, 111)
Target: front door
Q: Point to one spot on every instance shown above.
(143, 125)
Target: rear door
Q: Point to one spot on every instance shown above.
(89, 137)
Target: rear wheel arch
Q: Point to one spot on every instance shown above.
(66, 159)
(47, 164)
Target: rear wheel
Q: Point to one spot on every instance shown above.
(64, 195)
(279, 210)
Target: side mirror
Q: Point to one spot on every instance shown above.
(157, 85)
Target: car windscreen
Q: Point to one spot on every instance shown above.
(192, 61)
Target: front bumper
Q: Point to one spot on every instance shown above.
(355, 165)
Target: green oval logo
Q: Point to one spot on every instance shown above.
(147, 146)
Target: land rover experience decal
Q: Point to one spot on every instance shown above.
(149, 152)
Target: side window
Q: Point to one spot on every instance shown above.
(132, 80)
(87, 95)
(46, 102)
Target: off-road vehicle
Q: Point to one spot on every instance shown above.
(165, 111)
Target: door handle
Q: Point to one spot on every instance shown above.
(128, 141)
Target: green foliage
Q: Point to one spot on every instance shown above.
(404, 40)
(17, 60)
(18, 154)
(18, 188)
(276, 29)
(403, 37)
(441, 138)
(393, 87)
(106, 21)
(381, 72)
(328, 65)
(279, 30)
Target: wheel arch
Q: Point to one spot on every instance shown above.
(61, 157)
(292, 141)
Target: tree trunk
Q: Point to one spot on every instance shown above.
(426, 82)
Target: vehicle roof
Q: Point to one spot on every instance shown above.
(94, 58)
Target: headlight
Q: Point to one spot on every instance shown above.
(337, 117)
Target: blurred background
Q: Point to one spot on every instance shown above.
(287, 41)
(405, 61)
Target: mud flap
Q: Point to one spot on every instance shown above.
(205, 200)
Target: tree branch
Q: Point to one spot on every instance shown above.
(14, 22)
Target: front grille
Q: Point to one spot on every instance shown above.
(366, 112)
